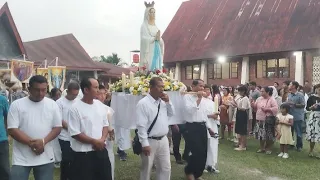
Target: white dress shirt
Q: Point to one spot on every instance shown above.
(89, 119)
(146, 112)
(193, 112)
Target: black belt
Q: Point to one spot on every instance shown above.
(156, 138)
(198, 123)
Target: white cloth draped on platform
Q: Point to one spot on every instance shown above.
(125, 105)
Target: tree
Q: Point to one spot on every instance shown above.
(112, 59)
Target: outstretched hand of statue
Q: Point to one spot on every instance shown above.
(158, 36)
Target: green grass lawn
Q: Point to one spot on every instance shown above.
(246, 165)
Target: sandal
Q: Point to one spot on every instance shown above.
(310, 154)
(261, 151)
(268, 152)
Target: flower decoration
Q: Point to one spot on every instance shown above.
(164, 70)
(141, 83)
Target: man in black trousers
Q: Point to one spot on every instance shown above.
(179, 131)
(88, 127)
(196, 135)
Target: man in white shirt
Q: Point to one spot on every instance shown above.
(155, 145)
(88, 127)
(80, 94)
(33, 122)
(102, 97)
(196, 136)
(65, 103)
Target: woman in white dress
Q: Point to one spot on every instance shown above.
(151, 45)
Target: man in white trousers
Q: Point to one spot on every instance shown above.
(213, 140)
(123, 141)
(155, 146)
(102, 97)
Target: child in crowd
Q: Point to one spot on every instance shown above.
(285, 121)
(213, 136)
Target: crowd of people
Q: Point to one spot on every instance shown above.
(269, 114)
(79, 121)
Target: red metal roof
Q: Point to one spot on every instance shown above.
(66, 47)
(5, 12)
(204, 29)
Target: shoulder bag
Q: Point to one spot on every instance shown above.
(136, 145)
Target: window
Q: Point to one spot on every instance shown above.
(273, 68)
(223, 70)
(193, 72)
(217, 71)
(233, 70)
(283, 68)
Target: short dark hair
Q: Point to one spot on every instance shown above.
(54, 92)
(37, 79)
(252, 83)
(316, 86)
(85, 83)
(285, 106)
(276, 83)
(196, 82)
(102, 87)
(268, 90)
(295, 84)
(154, 81)
(287, 82)
(73, 86)
(243, 88)
(215, 89)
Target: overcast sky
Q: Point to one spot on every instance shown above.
(101, 26)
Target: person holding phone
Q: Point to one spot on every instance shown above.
(155, 107)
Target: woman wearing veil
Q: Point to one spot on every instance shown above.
(276, 96)
(151, 45)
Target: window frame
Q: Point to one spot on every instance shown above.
(192, 71)
(277, 68)
(231, 72)
(211, 72)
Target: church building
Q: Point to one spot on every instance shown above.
(232, 42)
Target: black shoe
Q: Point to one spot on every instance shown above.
(118, 151)
(179, 162)
(123, 156)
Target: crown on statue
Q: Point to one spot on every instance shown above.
(149, 4)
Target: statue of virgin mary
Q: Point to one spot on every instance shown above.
(151, 45)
